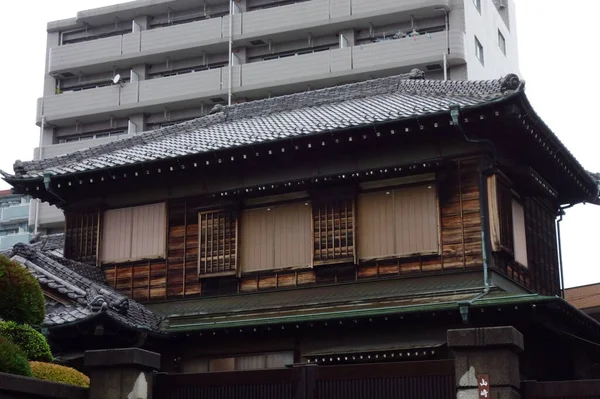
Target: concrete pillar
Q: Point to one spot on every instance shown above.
(52, 40)
(347, 38)
(493, 351)
(121, 373)
(139, 122)
(242, 5)
(141, 70)
(142, 22)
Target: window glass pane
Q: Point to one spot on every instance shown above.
(502, 42)
(279, 360)
(252, 362)
(224, 364)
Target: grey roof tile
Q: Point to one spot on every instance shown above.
(314, 112)
(92, 297)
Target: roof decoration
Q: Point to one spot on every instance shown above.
(84, 287)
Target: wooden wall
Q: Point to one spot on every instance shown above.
(542, 273)
(177, 275)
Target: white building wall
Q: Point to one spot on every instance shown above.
(485, 27)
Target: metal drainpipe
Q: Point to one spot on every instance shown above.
(231, 11)
(561, 213)
(40, 153)
(447, 28)
(483, 210)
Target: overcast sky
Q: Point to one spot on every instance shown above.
(558, 49)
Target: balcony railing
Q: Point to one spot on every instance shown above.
(10, 241)
(381, 56)
(197, 34)
(14, 213)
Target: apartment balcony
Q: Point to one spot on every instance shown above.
(210, 34)
(255, 79)
(10, 241)
(14, 213)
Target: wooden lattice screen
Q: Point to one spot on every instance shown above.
(333, 231)
(81, 236)
(218, 240)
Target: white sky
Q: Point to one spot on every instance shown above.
(557, 47)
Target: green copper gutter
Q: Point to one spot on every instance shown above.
(353, 314)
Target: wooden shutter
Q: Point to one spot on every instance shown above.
(333, 232)
(501, 219)
(276, 237)
(218, 237)
(81, 236)
(398, 222)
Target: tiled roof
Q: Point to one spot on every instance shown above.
(319, 111)
(89, 295)
(313, 301)
(51, 242)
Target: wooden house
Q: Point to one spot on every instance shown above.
(346, 225)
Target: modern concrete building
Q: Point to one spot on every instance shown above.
(14, 211)
(144, 64)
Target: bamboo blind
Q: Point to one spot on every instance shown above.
(218, 239)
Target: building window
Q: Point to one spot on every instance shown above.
(81, 238)
(333, 224)
(218, 236)
(520, 240)
(261, 361)
(507, 220)
(91, 136)
(398, 222)
(501, 42)
(134, 233)
(479, 50)
(477, 5)
(276, 236)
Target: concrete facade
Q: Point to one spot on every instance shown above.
(172, 56)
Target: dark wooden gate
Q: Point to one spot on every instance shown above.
(585, 389)
(424, 380)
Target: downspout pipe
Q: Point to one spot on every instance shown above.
(483, 210)
(561, 213)
(48, 187)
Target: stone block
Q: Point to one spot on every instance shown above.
(134, 357)
(485, 337)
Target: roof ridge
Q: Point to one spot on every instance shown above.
(409, 83)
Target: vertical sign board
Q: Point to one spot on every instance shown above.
(483, 385)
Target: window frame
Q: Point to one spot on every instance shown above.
(132, 244)
(479, 51)
(392, 189)
(347, 253)
(268, 207)
(234, 222)
(502, 220)
(501, 42)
